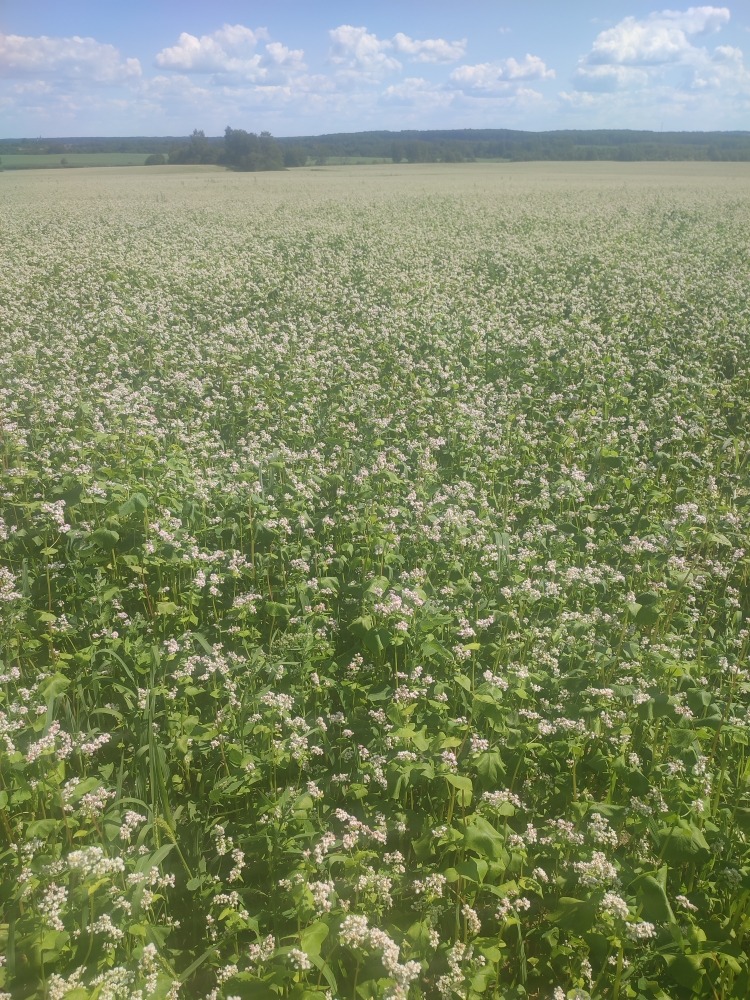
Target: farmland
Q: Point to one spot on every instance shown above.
(30, 161)
(374, 598)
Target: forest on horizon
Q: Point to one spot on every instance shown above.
(412, 146)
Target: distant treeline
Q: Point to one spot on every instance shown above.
(241, 150)
(507, 144)
(237, 149)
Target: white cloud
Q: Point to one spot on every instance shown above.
(610, 78)
(359, 50)
(661, 50)
(70, 58)
(662, 37)
(532, 68)
(513, 104)
(280, 55)
(231, 49)
(658, 106)
(432, 50)
(724, 70)
(497, 76)
(233, 53)
(416, 92)
(696, 20)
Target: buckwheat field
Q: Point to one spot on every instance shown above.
(374, 598)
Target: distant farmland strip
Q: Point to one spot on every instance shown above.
(31, 161)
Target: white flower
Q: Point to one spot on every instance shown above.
(299, 960)
(640, 931)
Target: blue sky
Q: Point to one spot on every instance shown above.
(100, 67)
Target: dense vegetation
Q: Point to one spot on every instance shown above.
(414, 146)
(241, 150)
(507, 144)
(374, 584)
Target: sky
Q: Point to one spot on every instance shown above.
(308, 67)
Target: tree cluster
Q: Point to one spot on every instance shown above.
(248, 151)
(240, 150)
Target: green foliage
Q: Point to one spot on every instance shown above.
(247, 151)
(374, 585)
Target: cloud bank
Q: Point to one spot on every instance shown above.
(673, 65)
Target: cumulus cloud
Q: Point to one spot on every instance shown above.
(494, 76)
(432, 50)
(280, 55)
(233, 51)
(359, 50)
(638, 53)
(416, 92)
(725, 70)
(609, 78)
(230, 48)
(662, 37)
(69, 58)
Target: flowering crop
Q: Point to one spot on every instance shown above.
(374, 584)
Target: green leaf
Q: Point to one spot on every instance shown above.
(52, 943)
(250, 987)
(652, 900)
(137, 502)
(54, 686)
(647, 616)
(83, 788)
(104, 538)
(419, 934)
(720, 539)
(464, 786)
(473, 869)
(682, 842)
(312, 938)
(687, 970)
(490, 768)
(647, 600)
(155, 859)
(326, 971)
(434, 650)
(482, 838)
(577, 915)
(42, 828)
(277, 610)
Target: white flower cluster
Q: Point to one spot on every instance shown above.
(8, 590)
(461, 964)
(596, 873)
(261, 951)
(614, 905)
(92, 862)
(356, 934)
